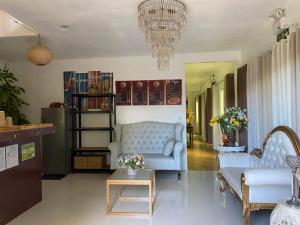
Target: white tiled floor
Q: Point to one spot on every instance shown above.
(79, 199)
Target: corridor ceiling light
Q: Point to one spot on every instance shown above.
(162, 22)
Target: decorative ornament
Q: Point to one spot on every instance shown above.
(288, 212)
(39, 54)
(162, 21)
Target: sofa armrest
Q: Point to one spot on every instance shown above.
(115, 152)
(268, 176)
(178, 147)
(234, 160)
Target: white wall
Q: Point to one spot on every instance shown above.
(44, 84)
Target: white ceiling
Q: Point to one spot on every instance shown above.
(197, 74)
(101, 28)
(10, 27)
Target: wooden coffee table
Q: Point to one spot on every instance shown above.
(145, 177)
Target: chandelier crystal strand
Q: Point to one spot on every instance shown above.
(162, 22)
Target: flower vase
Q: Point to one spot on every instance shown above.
(131, 171)
(229, 138)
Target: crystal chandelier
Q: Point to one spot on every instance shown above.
(162, 21)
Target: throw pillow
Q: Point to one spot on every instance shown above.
(169, 147)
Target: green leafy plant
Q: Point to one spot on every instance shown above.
(10, 100)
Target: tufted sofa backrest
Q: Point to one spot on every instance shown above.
(278, 145)
(147, 137)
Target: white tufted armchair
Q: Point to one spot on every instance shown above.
(262, 178)
(149, 139)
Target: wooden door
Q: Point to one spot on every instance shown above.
(229, 91)
(208, 115)
(200, 115)
(242, 99)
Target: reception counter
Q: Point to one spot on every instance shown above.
(20, 168)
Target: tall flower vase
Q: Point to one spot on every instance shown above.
(131, 171)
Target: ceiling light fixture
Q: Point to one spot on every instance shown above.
(162, 21)
(64, 26)
(39, 54)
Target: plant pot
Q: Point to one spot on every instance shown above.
(131, 172)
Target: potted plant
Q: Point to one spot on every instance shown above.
(133, 162)
(10, 100)
(233, 119)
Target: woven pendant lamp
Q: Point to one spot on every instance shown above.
(39, 54)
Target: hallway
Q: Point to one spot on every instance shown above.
(202, 156)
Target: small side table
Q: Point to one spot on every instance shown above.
(284, 214)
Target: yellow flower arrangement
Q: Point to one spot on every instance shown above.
(214, 121)
(189, 116)
(234, 118)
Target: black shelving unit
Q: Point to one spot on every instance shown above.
(77, 149)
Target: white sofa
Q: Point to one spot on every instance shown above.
(262, 178)
(149, 139)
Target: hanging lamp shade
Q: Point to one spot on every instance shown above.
(39, 54)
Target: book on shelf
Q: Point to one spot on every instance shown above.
(69, 77)
(92, 82)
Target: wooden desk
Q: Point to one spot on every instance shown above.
(20, 186)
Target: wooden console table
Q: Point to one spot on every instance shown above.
(20, 176)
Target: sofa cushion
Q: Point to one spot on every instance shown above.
(159, 161)
(169, 147)
(146, 137)
(277, 148)
(233, 177)
(118, 132)
(269, 193)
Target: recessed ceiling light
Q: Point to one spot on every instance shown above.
(65, 26)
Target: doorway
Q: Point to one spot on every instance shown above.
(206, 97)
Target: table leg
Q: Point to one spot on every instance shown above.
(108, 210)
(154, 188)
(150, 198)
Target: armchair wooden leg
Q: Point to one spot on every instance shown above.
(245, 200)
(221, 181)
(246, 214)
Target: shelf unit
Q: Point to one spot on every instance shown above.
(88, 152)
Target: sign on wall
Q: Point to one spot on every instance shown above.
(28, 151)
(12, 156)
(154, 92)
(123, 93)
(174, 92)
(2, 159)
(139, 92)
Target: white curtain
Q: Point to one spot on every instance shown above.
(273, 90)
(259, 98)
(295, 40)
(286, 81)
(254, 104)
(266, 97)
